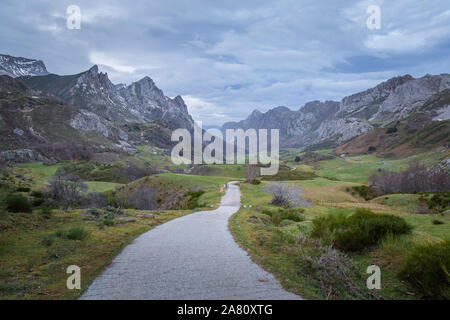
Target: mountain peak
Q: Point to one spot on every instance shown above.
(178, 99)
(281, 109)
(93, 71)
(18, 66)
(147, 81)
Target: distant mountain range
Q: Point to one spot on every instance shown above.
(331, 123)
(40, 112)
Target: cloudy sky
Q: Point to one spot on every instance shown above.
(227, 58)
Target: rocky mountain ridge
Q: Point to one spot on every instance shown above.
(336, 122)
(141, 102)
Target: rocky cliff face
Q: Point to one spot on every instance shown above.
(140, 102)
(370, 97)
(149, 103)
(409, 97)
(16, 66)
(21, 156)
(316, 121)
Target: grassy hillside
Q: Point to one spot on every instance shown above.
(35, 250)
(42, 121)
(277, 248)
(37, 247)
(359, 168)
(415, 135)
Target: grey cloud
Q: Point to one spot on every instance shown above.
(232, 56)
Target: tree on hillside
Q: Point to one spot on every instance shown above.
(66, 189)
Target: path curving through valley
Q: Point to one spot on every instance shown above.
(191, 257)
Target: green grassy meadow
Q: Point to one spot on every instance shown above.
(33, 256)
(276, 248)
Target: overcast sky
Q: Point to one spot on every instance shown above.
(227, 58)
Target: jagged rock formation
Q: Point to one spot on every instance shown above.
(141, 102)
(150, 103)
(88, 121)
(356, 103)
(410, 96)
(425, 129)
(337, 122)
(17, 66)
(297, 128)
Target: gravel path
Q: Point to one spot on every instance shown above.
(192, 257)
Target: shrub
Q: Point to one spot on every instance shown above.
(372, 149)
(74, 233)
(268, 212)
(37, 194)
(297, 159)
(438, 201)
(294, 215)
(361, 230)
(325, 226)
(46, 211)
(391, 130)
(255, 181)
(60, 234)
(286, 222)
(427, 269)
(114, 211)
(37, 202)
(112, 199)
(285, 195)
(436, 221)
(18, 203)
(48, 240)
(260, 219)
(276, 218)
(336, 274)
(23, 189)
(365, 192)
(94, 212)
(108, 222)
(193, 197)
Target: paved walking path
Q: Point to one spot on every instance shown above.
(192, 257)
